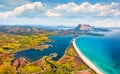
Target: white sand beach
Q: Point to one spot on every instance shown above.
(87, 61)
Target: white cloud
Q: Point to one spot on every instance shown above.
(87, 9)
(52, 13)
(19, 10)
(36, 13)
(66, 10)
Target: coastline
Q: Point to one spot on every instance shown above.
(86, 61)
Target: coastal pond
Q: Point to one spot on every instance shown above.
(58, 45)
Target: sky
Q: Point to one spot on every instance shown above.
(99, 13)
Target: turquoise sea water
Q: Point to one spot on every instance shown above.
(102, 51)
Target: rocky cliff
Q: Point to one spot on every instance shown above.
(83, 27)
(87, 27)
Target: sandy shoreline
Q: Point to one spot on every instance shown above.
(89, 63)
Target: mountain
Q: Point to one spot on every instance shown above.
(87, 27)
(83, 27)
(23, 30)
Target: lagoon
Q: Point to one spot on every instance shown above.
(58, 45)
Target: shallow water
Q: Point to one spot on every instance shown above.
(103, 51)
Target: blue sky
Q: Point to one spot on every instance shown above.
(101, 13)
(76, 1)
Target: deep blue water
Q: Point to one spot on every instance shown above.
(103, 51)
(59, 45)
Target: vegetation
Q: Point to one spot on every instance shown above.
(2, 50)
(19, 42)
(66, 65)
(20, 38)
(10, 44)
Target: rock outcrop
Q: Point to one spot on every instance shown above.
(87, 27)
(19, 63)
(83, 27)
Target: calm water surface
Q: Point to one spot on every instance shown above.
(58, 45)
(103, 51)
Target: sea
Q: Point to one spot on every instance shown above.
(102, 51)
